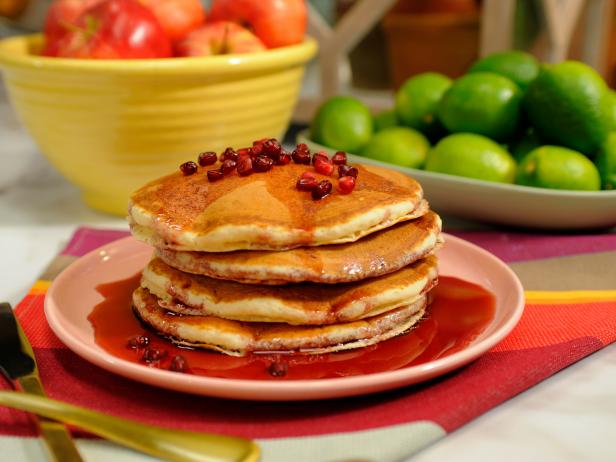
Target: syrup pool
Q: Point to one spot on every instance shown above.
(459, 312)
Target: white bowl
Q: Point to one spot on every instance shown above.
(504, 204)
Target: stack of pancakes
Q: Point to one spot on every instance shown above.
(251, 264)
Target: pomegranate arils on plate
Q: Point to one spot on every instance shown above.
(188, 168)
(228, 166)
(151, 355)
(301, 154)
(346, 170)
(229, 154)
(306, 184)
(178, 364)
(215, 175)
(339, 158)
(138, 341)
(207, 158)
(323, 189)
(262, 164)
(278, 369)
(323, 166)
(346, 184)
(244, 166)
(321, 154)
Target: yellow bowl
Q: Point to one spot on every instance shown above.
(110, 126)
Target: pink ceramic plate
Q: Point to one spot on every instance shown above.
(72, 296)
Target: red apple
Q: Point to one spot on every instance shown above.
(277, 23)
(60, 16)
(219, 38)
(115, 29)
(178, 17)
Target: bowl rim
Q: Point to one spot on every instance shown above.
(304, 135)
(15, 52)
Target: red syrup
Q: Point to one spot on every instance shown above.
(459, 312)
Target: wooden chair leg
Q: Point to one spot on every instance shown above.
(496, 26)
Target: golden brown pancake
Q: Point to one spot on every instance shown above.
(305, 303)
(239, 338)
(265, 211)
(379, 253)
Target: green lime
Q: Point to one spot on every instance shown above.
(398, 145)
(484, 103)
(342, 123)
(521, 147)
(606, 162)
(385, 119)
(472, 156)
(609, 109)
(556, 167)
(518, 66)
(417, 101)
(564, 104)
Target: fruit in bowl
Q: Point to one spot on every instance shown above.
(497, 153)
(141, 29)
(112, 29)
(138, 118)
(216, 38)
(509, 120)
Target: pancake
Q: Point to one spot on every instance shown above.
(265, 211)
(379, 253)
(307, 304)
(237, 338)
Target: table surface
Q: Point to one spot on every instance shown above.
(569, 417)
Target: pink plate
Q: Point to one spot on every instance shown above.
(72, 296)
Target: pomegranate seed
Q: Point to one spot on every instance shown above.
(207, 158)
(301, 154)
(308, 175)
(346, 170)
(271, 148)
(323, 189)
(151, 355)
(246, 152)
(228, 166)
(278, 369)
(229, 154)
(215, 175)
(321, 154)
(178, 364)
(306, 184)
(188, 168)
(346, 184)
(257, 146)
(284, 158)
(262, 164)
(339, 158)
(244, 166)
(138, 341)
(324, 167)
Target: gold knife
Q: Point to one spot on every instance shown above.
(57, 437)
